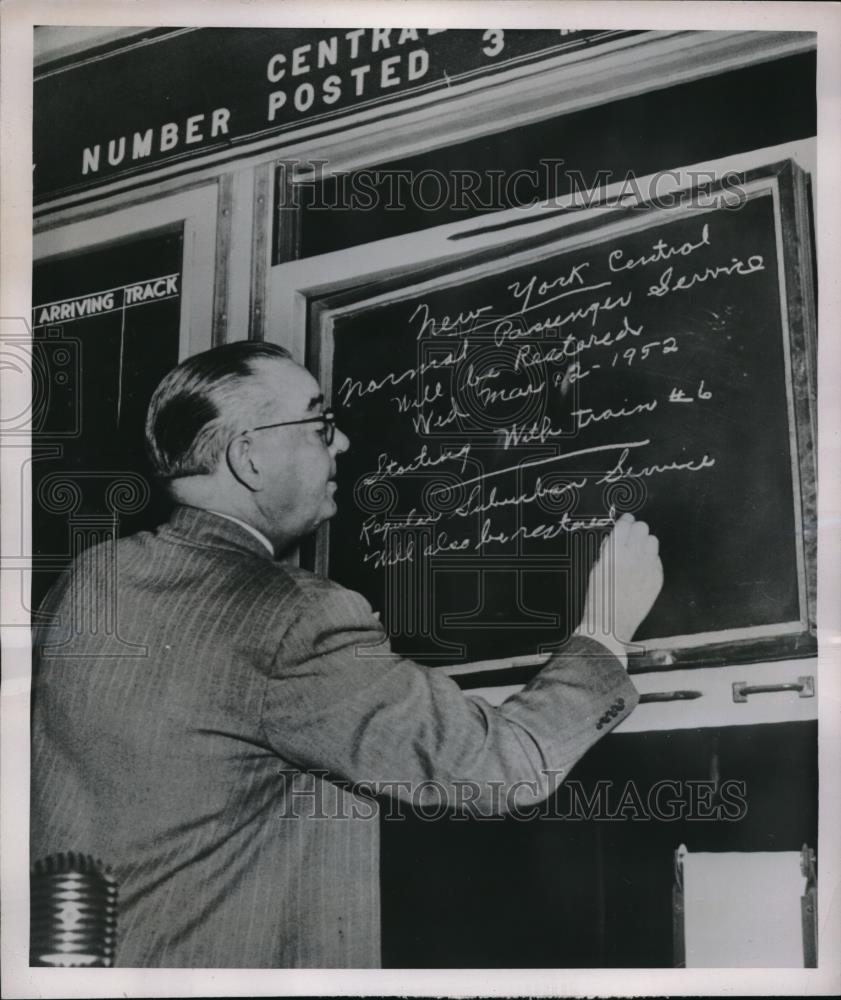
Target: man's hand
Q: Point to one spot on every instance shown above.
(624, 582)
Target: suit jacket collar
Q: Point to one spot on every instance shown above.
(203, 527)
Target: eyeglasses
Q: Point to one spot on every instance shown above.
(327, 419)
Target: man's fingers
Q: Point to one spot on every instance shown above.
(629, 531)
(622, 528)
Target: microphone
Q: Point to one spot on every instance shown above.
(73, 912)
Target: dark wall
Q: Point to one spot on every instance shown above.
(567, 891)
(730, 113)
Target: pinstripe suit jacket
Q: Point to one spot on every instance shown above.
(197, 707)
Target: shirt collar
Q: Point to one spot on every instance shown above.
(248, 527)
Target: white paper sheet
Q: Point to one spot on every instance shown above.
(743, 909)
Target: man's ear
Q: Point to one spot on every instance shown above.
(243, 464)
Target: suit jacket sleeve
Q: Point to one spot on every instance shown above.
(340, 703)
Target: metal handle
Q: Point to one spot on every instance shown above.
(804, 686)
(669, 696)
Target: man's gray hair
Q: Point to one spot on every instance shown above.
(192, 412)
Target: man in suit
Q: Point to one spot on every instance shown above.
(206, 716)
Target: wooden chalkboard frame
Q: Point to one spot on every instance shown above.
(789, 187)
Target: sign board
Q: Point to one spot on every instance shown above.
(106, 329)
(169, 99)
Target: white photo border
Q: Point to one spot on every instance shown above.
(16, 63)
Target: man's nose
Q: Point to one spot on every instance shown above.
(341, 442)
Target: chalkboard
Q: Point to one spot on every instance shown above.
(106, 330)
(657, 359)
